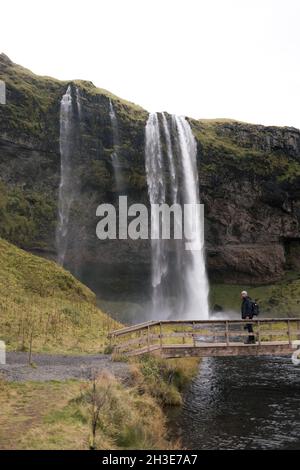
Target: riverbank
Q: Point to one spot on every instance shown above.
(46, 407)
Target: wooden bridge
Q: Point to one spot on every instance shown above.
(180, 338)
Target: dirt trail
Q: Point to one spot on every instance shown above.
(58, 367)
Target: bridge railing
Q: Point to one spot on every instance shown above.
(156, 335)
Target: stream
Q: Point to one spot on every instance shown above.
(241, 403)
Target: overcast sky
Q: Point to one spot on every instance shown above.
(201, 58)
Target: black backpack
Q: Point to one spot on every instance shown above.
(254, 308)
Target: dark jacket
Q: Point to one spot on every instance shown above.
(246, 308)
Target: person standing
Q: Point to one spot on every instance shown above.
(247, 314)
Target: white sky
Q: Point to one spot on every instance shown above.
(200, 58)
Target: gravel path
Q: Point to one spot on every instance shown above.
(59, 367)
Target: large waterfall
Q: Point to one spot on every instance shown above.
(116, 144)
(157, 195)
(179, 281)
(195, 272)
(66, 187)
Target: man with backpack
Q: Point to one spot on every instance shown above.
(249, 308)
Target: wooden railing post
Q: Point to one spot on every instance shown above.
(289, 332)
(227, 333)
(160, 336)
(148, 337)
(194, 337)
(258, 332)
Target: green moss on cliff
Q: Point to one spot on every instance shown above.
(223, 149)
(26, 217)
(33, 101)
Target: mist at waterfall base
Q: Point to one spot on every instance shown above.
(179, 281)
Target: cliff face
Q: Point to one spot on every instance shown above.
(249, 182)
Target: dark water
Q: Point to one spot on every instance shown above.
(242, 403)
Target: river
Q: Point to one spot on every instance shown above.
(242, 403)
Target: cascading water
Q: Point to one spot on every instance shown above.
(65, 196)
(78, 101)
(116, 144)
(195, 272)
(176, 271)
(176, 261)
(157, 195)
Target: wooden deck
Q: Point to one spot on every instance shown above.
(170, 339)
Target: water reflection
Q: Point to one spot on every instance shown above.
(243, 403)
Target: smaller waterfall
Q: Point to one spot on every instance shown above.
(65, 196)
(116, 143)
(78, 101)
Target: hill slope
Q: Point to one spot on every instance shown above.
(42, 304)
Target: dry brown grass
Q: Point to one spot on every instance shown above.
(57, 415)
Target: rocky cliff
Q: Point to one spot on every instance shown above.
(249, 182)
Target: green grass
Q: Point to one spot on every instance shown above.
(280, 299)
(165, 380)
(42, 303)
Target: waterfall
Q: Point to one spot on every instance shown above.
(174, 183)
(65, 196)
(195, 271)
(116, 144)
(78, 101)
(176, 272)
(157, 195)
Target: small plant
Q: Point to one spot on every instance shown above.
(97, 399)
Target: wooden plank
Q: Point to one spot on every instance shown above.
(240, 350)
(194, 323)
(270, 320)
(146, 350)
(133, 328)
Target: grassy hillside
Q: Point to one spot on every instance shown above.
(43, 305)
